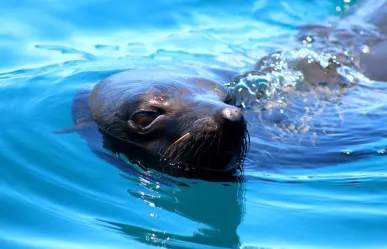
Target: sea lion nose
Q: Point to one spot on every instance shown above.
(230, 114)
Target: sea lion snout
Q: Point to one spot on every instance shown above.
(230, 115)
(215, 116)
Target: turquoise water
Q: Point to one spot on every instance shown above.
(57, 194)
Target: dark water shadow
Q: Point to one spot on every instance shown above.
(219, 209)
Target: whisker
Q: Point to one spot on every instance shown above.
(219, 141)
(182, 138)
(197, 151)
(202, 147)
(193, 149)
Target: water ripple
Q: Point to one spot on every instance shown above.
(304, 186)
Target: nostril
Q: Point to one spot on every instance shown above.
(232, 114)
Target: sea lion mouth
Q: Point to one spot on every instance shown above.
(212, 152)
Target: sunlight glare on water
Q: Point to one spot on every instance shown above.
(299, 193)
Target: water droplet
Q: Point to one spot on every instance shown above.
(347, 152)
(365, 49)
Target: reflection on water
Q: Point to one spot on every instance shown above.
(217, 208)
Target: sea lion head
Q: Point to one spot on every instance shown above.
(185, 121)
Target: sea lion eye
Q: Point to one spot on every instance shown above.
(144, 118)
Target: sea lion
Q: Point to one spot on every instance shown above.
(178, 123)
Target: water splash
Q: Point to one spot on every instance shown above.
(279, 73)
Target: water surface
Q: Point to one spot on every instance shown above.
(57, 194)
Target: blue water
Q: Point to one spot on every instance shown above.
(55, 193)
